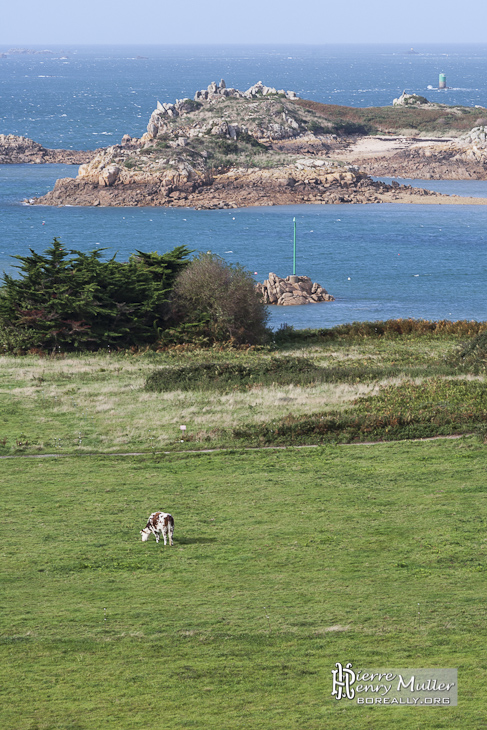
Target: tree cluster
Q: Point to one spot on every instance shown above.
(73, 301)
(218, 302)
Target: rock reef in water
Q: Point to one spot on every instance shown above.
(292, 290)
(27, 52)
(21, 150)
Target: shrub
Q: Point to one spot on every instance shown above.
(251, 141)
(234, 375)
(191, 105)
(409, 410)
(221, 299)
(398, 327)
(389, 329)
(415, 99)
(226, 146)
(348, 128)
(315, 127)
(473, 356)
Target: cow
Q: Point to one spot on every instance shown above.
(159, 522)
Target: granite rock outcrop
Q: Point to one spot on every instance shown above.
(258, 89)
(225, 149)
(236, 187)
(21, 150)
(292, 290)
(228, 113)
(412, 100)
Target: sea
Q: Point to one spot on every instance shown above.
(379, 261)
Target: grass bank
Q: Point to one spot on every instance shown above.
(356, 382)
(442, 120)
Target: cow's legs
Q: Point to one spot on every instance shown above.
(164, 535)
(156, 535)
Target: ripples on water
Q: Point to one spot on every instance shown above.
(95, 95)
(379, 261)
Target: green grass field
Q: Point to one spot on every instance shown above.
(285, 562)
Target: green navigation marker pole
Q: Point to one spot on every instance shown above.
(294, 248)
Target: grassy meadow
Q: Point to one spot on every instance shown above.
(308, 390)
(285, 561)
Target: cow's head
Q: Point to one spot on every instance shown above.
(145, 534)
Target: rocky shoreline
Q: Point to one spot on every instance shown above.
(226, 149)
(462, 158)
(16, 150)
(442, 162)
(237, 189)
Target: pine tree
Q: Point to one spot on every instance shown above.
(74, 300)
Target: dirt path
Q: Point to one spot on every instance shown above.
(243, 448)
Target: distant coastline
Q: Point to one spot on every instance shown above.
(226, 148)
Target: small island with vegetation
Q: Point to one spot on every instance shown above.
(226, 148)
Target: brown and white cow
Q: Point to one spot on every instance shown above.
(159, 522)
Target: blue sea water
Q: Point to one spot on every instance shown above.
(379, 261)
(86, 97)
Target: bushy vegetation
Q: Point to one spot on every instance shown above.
(73, 301)
(441, 120)
(348, 128)
(473, 355)
(391, 328)
(224, 376)
(409, 410)
(317, 128)
(215, 302)
(212, 151)
(245, 137)
(415, 99)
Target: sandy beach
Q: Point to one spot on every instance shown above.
(384, 146)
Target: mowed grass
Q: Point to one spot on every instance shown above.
(284, 563)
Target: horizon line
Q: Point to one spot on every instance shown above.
(410, 45)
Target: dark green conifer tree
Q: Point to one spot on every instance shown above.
(74, 300)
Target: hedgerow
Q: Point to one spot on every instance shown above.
(234, 375)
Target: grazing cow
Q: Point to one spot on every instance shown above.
(159, 522)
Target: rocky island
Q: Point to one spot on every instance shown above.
(22, 150)
(226, 148)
